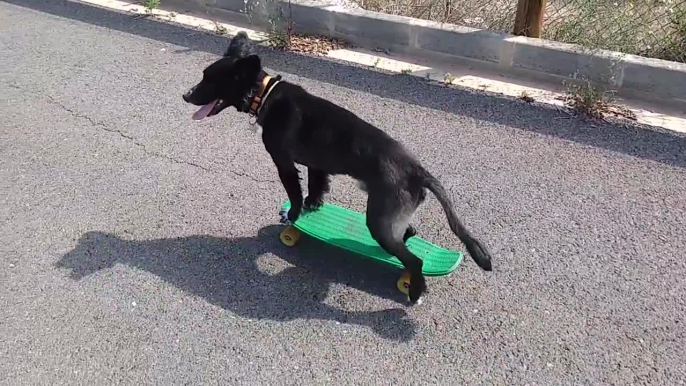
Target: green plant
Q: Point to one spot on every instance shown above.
(526, 97)
(588, 100)
(376, 62)
(406, 71)
(281, 26)
(219, 29)
(278, 37)
(449, 78)
(150, 5)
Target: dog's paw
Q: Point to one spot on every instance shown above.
(312, 203)
(289, 216)
(417, 289)
(283, 213)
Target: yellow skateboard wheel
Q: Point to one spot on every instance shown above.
(289, 236)
(404, 283)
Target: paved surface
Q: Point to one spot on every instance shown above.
(138, 246)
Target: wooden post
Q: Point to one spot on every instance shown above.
(529, 19)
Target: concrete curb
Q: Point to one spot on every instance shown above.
(629, 75)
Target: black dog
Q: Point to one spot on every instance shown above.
(301, 128)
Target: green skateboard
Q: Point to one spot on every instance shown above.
(347, 229)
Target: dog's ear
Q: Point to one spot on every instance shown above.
(249, 65)
(240, 46)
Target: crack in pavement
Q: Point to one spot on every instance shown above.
(132, 139)
(241, 174)
(126, 136)
(144, 147)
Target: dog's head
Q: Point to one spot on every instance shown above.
(227, 82)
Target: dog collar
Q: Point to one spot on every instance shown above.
(266, 87)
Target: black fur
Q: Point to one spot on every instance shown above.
(299, 127)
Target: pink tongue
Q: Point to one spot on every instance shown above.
(202, 113)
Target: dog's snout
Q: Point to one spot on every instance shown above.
(187, 96)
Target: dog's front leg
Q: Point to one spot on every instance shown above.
(291, 182)
(276, 146)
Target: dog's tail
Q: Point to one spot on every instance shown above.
(474, 246)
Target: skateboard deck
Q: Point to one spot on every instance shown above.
(347, 229)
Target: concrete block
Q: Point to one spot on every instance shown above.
(311, 19)
(459, 41)
(567, 60)
(628, 74)
(551, 58)
(655, 76)
(229, 5)
(385, 30)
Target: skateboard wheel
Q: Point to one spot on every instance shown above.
(404, 283)
(289, 236)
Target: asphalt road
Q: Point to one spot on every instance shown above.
(140, 247)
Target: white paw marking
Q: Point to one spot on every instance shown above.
(284, 217)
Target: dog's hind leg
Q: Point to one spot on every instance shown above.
(388, 217)
(418, 197)
(317, 187)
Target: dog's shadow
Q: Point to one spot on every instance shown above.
(225, 272)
